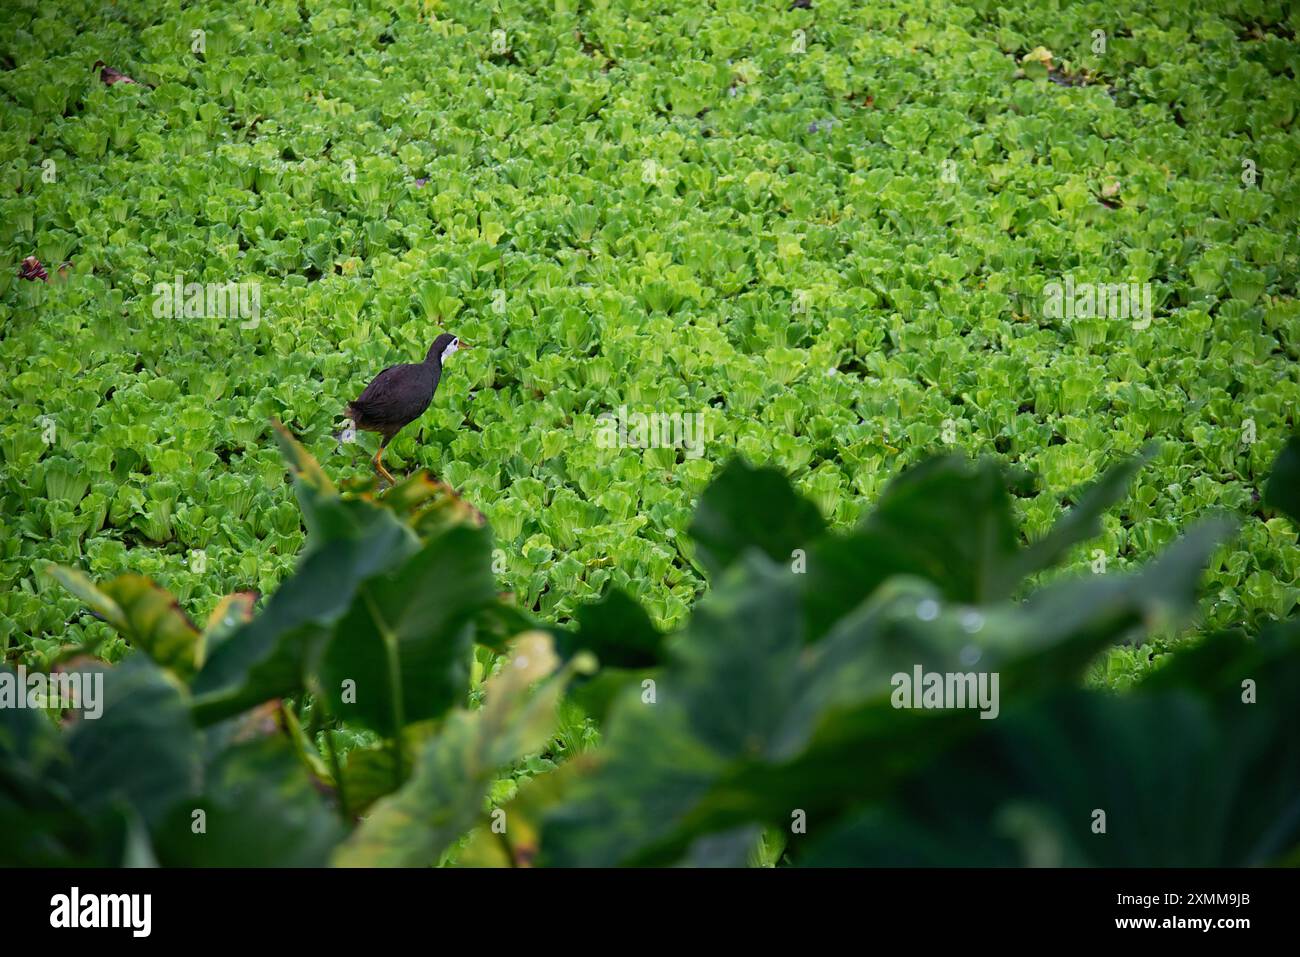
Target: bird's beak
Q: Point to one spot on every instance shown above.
(463, 345)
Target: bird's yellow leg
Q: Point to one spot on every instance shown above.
(378, 462)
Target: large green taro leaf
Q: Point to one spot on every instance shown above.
(1283, 491)
(443, 799)
(402, 651)
(260, 809)
(142, 750)
(747, 724)
(948, 521)
(1184, 776)
(745, 508)
(274, 654)
(145, 614)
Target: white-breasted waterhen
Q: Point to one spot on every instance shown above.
(399, 395)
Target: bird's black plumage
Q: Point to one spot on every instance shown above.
(397, 396)
(400, 394)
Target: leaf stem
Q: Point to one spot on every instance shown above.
(395, 682)
(337, 770)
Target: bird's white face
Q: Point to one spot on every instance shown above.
(451, 348)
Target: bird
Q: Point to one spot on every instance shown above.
(110, 75)
(32, 270)
(399, 395)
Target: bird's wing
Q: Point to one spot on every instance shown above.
(397, 395)
(379, 396)
(381, 386)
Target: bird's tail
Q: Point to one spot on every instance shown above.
(345, 436)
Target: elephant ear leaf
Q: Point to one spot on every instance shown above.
(1007, 798)
(83, 588)
(146, 615)
(617, 631)
(327, 516)
(306, 470)
(143, 748)
(1080, 524)
(747, 508)
(229, 614)
(443, 799)
(407, 640)
(951, 521)
(1283, 491)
